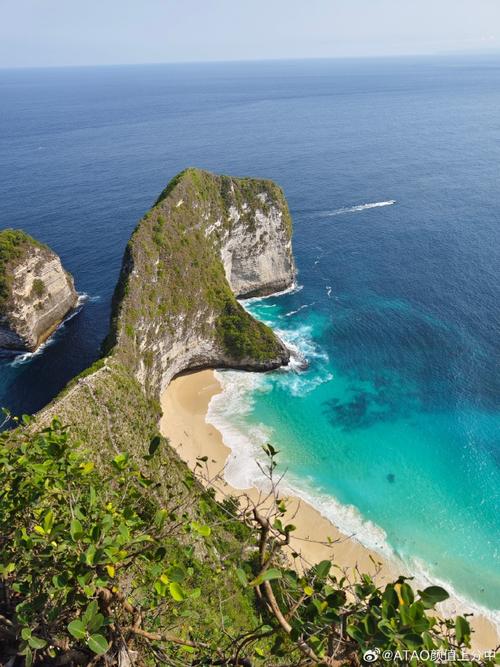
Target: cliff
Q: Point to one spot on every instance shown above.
(36, 292)
(207, 240)
(174, 308)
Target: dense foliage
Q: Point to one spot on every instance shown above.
(96, 569)
(242, 336)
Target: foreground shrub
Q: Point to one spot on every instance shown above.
(95, 571)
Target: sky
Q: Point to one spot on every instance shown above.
(98, 32)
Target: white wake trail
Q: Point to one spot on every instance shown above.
(360, 207)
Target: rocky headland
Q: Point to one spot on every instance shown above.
(207, 240)
(36, 292)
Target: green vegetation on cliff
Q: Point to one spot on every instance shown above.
(242, 336)
(13, 245)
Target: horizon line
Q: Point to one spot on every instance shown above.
(388, 56)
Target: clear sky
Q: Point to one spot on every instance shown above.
(86, 32)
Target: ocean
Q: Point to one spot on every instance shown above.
(391, 169)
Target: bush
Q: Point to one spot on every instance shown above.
(92, 566)
(38, 289)
(76, 546)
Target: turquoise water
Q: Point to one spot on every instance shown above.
(407, 480)
(391, 169)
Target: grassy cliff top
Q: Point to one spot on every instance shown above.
(222, 191)
(13, 245)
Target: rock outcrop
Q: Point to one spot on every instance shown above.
(207, 240)
(36, 292)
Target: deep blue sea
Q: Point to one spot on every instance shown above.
(394, 428)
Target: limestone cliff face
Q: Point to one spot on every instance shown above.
(258, 258)
(36, 291)
(207, 240)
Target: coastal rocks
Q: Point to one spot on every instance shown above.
(36, 292)
(207, 240)
(260, 263)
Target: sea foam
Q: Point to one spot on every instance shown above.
(228, 412)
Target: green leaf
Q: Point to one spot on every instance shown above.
(160, 587)
(462, 630)
(406, 594)
(242, 577)
(124, 533)
(90, 612)
(26, 634)
(160, 518)
(323, 568)
(268, 575)
(357, 634)
(60, 580)
(203, 530)
(75, 530)
(176, 573)
(269, 449)
(432, 595)
(121, 460)
(28, 657)
(86, 468)
(90, 555)
(428, 641)
(154, 444)
(95, 623)
(97, 644)
(176, 592)
(272, 573)
(413, 641)
(77, 629)
(37, 643)
(48, 522)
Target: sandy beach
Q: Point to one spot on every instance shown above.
(185, 404)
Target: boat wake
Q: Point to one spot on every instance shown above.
(357, 209)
